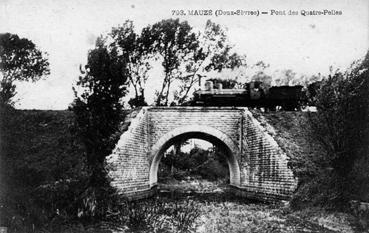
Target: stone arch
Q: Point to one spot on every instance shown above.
(201, 132)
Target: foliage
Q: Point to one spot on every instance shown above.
(98, 113)
(20, 60)
(174, 42)
(98, 109)
(221, 214)
(157, 215)
(130, 48)
(312, 91)
(46, 182)
(137, 101)
(237, 216)
(41, 172)
(213, 54)
(342, 126)
(211, 165)
(187, 56)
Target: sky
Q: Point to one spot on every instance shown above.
(67, 30)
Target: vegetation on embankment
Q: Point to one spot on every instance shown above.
(42, 170)
(294, 134)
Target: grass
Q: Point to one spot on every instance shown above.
(218, 213)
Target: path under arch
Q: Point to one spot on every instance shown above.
(200, 132)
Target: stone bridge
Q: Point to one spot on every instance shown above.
(257, 165)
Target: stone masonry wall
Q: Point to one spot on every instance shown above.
(263, 171)
(128, 167)
(265, 174)
(164, 120)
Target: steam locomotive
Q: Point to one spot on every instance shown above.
(254, 94)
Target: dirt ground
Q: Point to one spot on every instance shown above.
(222, 212)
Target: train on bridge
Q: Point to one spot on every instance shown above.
(254, 94)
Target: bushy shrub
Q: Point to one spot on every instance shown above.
(341, 125)
(156, 215)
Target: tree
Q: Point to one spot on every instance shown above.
(212, 54)
(20, 61)
(98, 112)
(173, 42)
(129, 47)
(97, 106)
(188, 56)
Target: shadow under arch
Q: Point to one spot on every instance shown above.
(209, 134)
